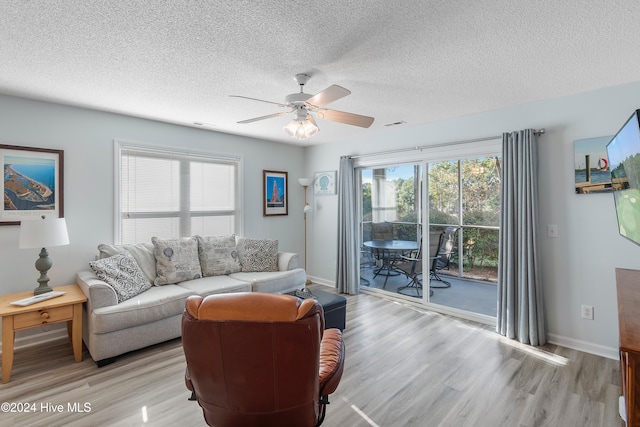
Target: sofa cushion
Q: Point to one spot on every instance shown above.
(274, 282)
(216, 285)
(218, 255)
(142, 252)
(157, 303)
(258, 255)
(176, 260)
(123, 274)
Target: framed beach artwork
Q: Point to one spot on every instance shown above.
(33, 183)
(275, 193)
(592, 172)
(324, 183)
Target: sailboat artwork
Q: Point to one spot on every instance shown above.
(275, 193)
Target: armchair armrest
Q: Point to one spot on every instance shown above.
(331, 361)
(99, 293)
(287, 261)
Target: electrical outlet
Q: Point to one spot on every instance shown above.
(587, 312)
(552, 230)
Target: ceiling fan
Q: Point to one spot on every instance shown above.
(302, 105)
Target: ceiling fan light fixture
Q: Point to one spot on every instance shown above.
(302, 129)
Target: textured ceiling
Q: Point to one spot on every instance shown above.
(413, 61)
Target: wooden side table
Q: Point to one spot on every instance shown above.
(65, 308)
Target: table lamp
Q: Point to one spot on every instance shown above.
(38, 234)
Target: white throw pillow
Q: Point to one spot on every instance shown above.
(176, 260)
(123, 274)
(218, 255)
(258, 254)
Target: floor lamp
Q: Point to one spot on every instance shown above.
(305, 182)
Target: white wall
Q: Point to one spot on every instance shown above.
(578, 266)
(86, 136)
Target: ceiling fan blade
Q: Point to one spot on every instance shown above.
(330, 94)
(346, 118)
(312, 120)
(255, 119)
(279, 104)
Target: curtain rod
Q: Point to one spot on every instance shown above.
(444, 144)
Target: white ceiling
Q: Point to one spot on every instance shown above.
(414, 61)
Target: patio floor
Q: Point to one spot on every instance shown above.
(468, 295)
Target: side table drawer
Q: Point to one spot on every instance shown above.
(42, 317)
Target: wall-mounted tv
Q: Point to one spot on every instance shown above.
(624, 162)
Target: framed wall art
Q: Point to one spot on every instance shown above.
(592, 172)
(33, 183)
(324, 183)
(275, 193)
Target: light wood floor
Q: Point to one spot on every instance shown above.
(404, 367)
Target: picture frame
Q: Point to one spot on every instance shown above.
(275, 193)
(324, 183)
(591, 165)
(33, 183)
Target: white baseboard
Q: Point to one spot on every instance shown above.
(322, 281)
(587, 347)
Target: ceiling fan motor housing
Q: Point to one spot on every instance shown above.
(301, 113)
(297, 98)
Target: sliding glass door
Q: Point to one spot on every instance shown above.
(448, 257)
(464, 206)
(391, 224)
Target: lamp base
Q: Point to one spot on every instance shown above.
(43, 264)
(308, 282)
(42, 289)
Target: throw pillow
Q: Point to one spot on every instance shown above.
(142, 252)
(123, 274)
(218, 255)
(258, 254)
(176, 260)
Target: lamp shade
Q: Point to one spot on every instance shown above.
(307, 208)
(305, 182)
(41, 233)
(302, 129)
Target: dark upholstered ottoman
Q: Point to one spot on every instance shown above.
(334, 307)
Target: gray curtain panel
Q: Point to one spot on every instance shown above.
(347, 272)
(520, 302)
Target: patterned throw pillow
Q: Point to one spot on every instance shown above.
(176, 260)
(218, 255)
(142, 252)
(123, 274)
(258, 255)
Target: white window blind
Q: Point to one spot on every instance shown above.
(172, 194)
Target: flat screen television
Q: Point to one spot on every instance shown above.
(624, 162)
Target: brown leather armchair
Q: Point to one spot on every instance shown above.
(257, 359)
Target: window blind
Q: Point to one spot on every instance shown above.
(170, 194)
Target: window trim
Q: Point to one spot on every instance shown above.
(120, 145)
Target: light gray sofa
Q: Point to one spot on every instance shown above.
(112, 328)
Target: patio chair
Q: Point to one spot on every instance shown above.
(443, 257)
(412, 265)
(366, 262)
(383, 231)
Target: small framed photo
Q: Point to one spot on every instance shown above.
(592, 171)
(275, 193)
(33, 183)
(324, 183)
